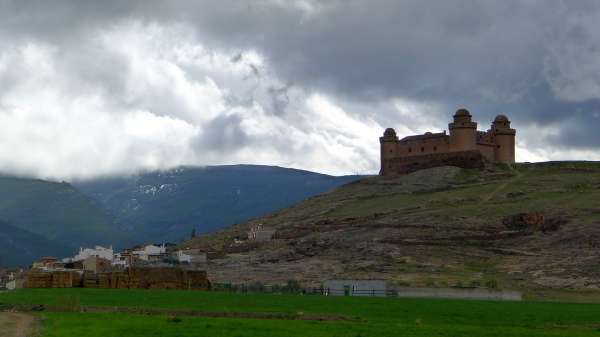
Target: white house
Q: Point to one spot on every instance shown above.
(260, 233)
(190, 256)
(355, 288)
(149, 252)
(121, 260)
(98, 251)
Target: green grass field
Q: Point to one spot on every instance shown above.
(375, 317)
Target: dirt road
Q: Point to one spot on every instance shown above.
(15, 324)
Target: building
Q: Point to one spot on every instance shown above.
(376, 288)
(45, 262)
(463, 146)
(98, 251)
(96, 264)
(260, 233)
(150, 253)
(191, 256)
(122, 260)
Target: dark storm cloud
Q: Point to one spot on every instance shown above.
(537, 61)
(222, 134)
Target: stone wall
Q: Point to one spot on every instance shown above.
(464, 159)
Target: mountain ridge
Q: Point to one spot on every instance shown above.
(169, 204)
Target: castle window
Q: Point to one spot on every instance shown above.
(422, 149)
(435, 148)
(409, 150)
(391, 151)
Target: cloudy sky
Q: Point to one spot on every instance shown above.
(91, 88)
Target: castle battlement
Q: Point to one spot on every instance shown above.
(463, 146)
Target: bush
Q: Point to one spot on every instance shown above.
(256, 287)
(292, 286)
(491, 284)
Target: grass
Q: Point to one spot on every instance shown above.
(543, 188)
(366, 316)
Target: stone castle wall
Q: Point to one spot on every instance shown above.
(464, 146)
(404, 165)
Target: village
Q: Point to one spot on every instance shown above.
(157, 265)
(148, 266)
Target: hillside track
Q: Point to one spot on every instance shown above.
(14, 324)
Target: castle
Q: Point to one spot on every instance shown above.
(465, 146)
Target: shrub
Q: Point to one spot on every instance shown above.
(491, 284)
(292, 286)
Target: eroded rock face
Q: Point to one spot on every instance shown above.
(534, 221)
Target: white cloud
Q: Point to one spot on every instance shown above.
(57, 121)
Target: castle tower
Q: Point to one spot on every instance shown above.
(463, 132)
(504, 139)
(388, 143)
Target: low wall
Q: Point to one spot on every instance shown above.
(459, 293)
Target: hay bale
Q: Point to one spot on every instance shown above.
(104, 280)
(119, 280)
(90, 280)
(196, 279)
(38, 279)
(62, 279)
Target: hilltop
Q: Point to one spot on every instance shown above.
(442, 226)
(160, 206)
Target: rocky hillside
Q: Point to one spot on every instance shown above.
(168, 205)
(527, 226)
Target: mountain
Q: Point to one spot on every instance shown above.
(527, 226)
(168, 205)
(38, 214)
(20, 247)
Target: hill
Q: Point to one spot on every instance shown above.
(168, 205)
(20, 247)
(443, 226)
(53, 215)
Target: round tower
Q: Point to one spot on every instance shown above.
(389, 143)
(463, 132)
(504, 140)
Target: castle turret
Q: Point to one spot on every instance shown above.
(463, 132)
(389, 147)
(504, 140)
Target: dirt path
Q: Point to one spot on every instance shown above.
(15, 324)
(502, 186)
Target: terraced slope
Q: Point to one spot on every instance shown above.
(444, 226)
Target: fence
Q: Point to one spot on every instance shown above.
(473, 293)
